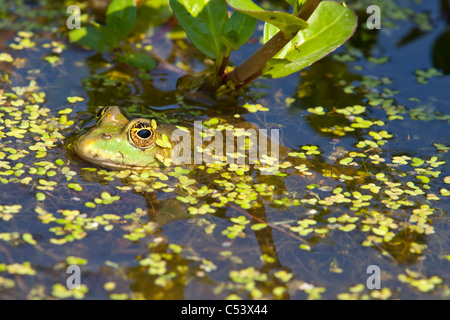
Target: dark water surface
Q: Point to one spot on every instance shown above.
(378, 193)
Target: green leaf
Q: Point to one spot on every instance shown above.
(28, 238)
(96, 37)
(416, 162)
(204, 22)
(40, 196)
(194, 7)
(139, 60)
(441, 147)
(239, 29)
(297, 4)
(424, 179)
(286, 22)
(163, 142)
(120, 17)
(331, 25)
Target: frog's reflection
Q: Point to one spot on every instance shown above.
(176, 225)
(188, 272)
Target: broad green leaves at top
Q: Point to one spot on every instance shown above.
(289, 24)
(212, 31)
(207, 24)
(239, 29)
(297, 4)
(120, 19)
(96, 37)
(194, 7)
(203, 21)
(330, 26)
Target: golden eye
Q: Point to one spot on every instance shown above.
(141, 134)
(100, 113)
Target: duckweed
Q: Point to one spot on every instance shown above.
(62, 292)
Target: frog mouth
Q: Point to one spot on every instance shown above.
(95, 158)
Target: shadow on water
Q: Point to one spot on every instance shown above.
(441, 47)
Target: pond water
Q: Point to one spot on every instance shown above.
(366, 192)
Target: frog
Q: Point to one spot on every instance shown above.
(115, 142)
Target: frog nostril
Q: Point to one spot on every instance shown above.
(106, 136)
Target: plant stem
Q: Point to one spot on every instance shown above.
(251, 68)
(222, 67)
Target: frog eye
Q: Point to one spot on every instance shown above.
(100, 113)
(141, 134)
